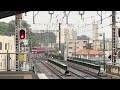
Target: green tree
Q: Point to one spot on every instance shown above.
(24, 24)
(4, 28)
(9, 28)
(47, 38)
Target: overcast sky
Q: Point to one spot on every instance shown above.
(42, 19)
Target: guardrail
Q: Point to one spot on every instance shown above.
(56, 56)
(91, 61)
(59, 66)
(89, 65)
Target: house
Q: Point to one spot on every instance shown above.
(86, 54)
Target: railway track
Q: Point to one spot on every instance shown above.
(50, 73)
(82, 73)
(76, 72)
(72, 75)
(86, 74)
(59, 74)
(89, 73)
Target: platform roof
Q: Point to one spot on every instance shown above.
(4, 14)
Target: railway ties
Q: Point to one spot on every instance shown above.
(45, 70)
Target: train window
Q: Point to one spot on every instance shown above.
(5, 46)
(0, 45)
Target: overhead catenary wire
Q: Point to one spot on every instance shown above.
(76, 19)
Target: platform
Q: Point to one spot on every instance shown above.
(42, 76)
(113, 70)
(18, 75)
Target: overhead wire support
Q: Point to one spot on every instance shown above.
(66, 14)
(82, 13)
(63, 17)
(34, 15)
(51, 13)
(100, 16)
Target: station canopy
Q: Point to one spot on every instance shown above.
(4, 14)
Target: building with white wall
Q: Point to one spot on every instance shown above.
(95, 31)
(67, 33)
(7, 43)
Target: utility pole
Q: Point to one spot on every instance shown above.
(88, 48)
(17, 41)
(59, 38)
(30, 44)
(75, 48)
(113, 36)
(17, 26)
(104, 49)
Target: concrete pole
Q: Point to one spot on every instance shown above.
(104, 49)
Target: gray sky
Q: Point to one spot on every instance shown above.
(43, 19)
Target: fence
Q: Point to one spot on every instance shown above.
(8, 62)
(92, 61)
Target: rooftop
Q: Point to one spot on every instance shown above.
(91, 52)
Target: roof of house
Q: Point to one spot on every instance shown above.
(91, 52)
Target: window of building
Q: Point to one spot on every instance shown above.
(1, 64)
(92, 55)
(8, 46)
(5, 46)
(84, 56)
(11, 47)
(77, 47)
(84, 42)
(70, 52)
(0, 45)
(84, 47)
(70, 47)
(70, 42)
(100, 55)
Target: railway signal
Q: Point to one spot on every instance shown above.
(22, 33)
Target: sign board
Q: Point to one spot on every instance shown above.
(25, 41)
(22, 58)
(23, 46)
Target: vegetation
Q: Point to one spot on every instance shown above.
(8, 29)
(36, 38)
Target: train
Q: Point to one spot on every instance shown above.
(42, 50)
(38, 50)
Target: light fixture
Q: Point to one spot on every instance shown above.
(81, 12)
(51, 12)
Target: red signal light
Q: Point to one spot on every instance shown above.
(22, 34)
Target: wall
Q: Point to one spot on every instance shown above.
(10, 42)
